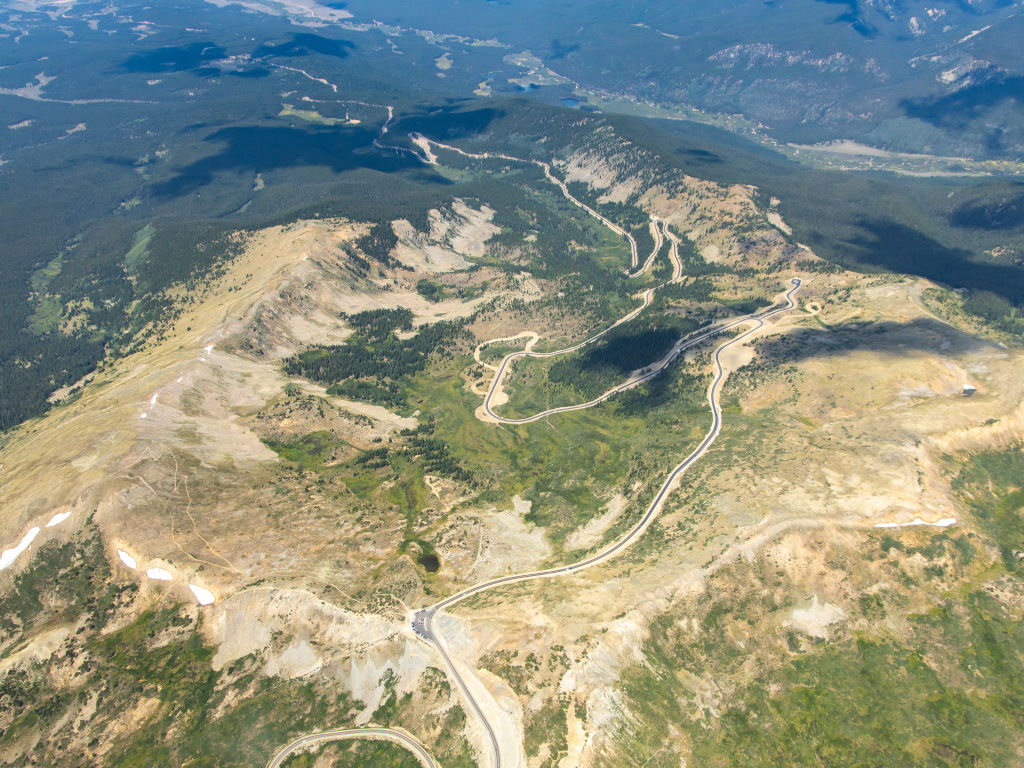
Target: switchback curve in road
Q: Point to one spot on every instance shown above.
(757, 321)
(486, 413)
(423, 619)
(636, 269)
(384, 734)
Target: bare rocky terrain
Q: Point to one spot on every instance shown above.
(843, 416)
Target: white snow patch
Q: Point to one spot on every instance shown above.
(204, 596)
(58, 518)
(208, 349)
(10, 555)
(143, 415)
(152, 401)
(126, 559)
(159, 574)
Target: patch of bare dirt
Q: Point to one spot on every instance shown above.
(454, 236)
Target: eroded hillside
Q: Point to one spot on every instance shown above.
(301, 447)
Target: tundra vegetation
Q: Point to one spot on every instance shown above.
(318, 444)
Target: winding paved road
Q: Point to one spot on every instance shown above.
(383, 734)
(647, 297)
(644, 374)
(422, 623)
(634, 255)
(757, 321)
(423, 619)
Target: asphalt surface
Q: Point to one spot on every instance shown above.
(757, 321)
(386, 734)
(632, 382)
(423, 620)
(422, 623)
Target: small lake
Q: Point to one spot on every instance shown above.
(429, 561)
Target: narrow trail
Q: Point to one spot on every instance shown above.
(423, 620)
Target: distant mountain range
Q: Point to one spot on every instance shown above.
(934, 77)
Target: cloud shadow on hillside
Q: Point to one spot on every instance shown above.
(304, 44)
(898, 248)
(180, 58)
(923, 333)
(959, 109)
(250, 149)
